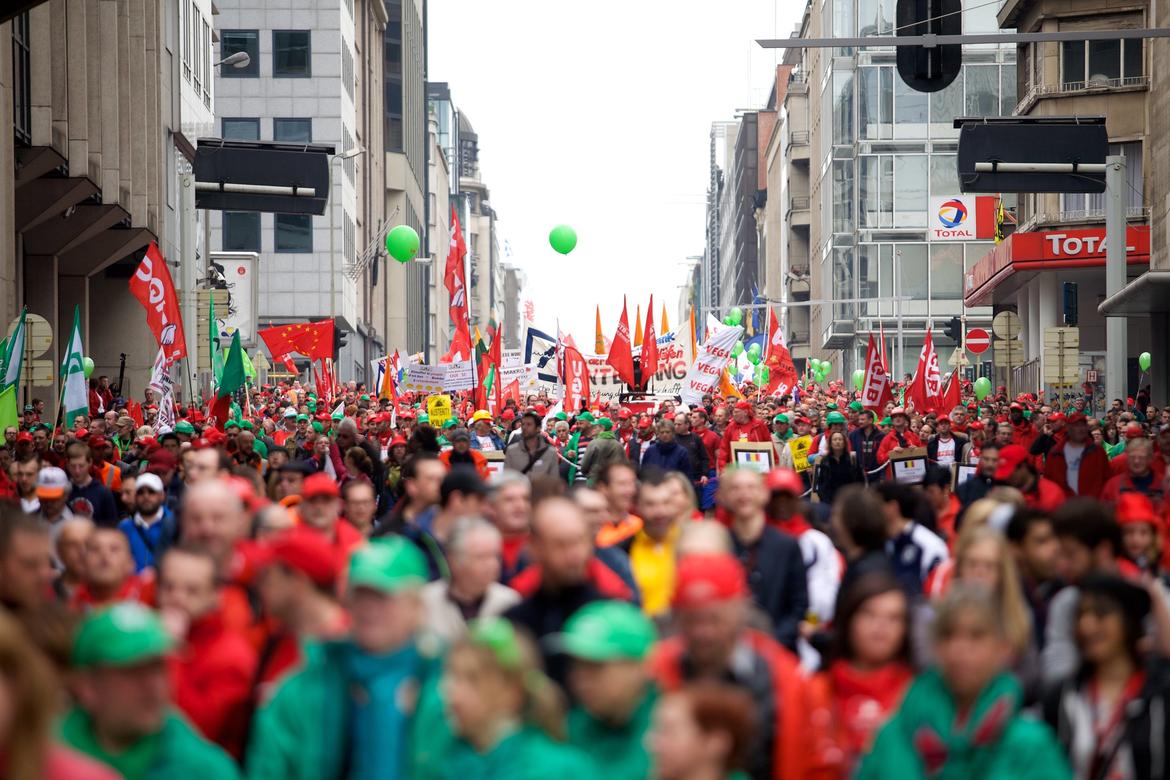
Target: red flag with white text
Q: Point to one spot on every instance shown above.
(875, 389)
(952, 395)
(649, 347)
(926, 386)
(151, 284)
(621, 355)
(454, 279)
(577, 384)
(782, 373)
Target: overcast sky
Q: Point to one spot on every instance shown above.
(597, 115)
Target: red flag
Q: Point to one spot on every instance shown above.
(926, 386)
(497, 360)
(649, 347)
(577, 386)
(952, 395)
(512, 391)
(621, 356)
(134, 412)
(314, 340)
(455, 280)
(151, 284)
(782, 373)
(875, 390)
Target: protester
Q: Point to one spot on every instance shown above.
(88, 496)
(123, 715)
(962, 719)
(530, 453)
(667, 454)
(604, 449)
(653, 550)
(702, 731)
(837, 468)
(473, 554)
(26, 562)
(152, 527)
(109, 575)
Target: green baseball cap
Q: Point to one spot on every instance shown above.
(302, 418)
(423, 417)
(389, 565)
(231, 424)
(607, 631)
(185, 427)
(560, 416)
(247, 425)
(834, 418)
(886, 422)
(605, 423)
(831, 407)
(855, 406)
(125, 634)
(318, 427)
(364, 397)
(451, 423)
(780, 418)
(585, 417)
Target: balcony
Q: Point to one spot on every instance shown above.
(1095, 86)
(798, 212)
(797, 149)
(838, 335)
(1078, 217)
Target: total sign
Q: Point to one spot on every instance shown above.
(962, 218)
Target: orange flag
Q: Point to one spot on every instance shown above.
(727, 388)
(638, 327)
(662, 322)
(598, 339)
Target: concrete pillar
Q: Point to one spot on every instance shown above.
(111, 141)
(77, 87)
(8, 292)
(1032, 329)
(1159, 376)
(40, 295)
(1048, 309)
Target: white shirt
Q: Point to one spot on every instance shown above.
(485, 443)
(946, 451)
(1073, 453)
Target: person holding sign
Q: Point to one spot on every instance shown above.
(899, 439)
(744, 426)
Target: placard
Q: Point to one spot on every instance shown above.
(424, 379)
(799, 446)
(909, 466)
(755, 455)
(495, 461)
(459, 376)
(438, 409)
(964, 472)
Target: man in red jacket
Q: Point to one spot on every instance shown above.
(900, 438)
(1139, 476)
(213, 667)
(1077, 465)
(320, 509)
(1016, 469)
(744, 426)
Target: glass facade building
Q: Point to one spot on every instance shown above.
(881, 153)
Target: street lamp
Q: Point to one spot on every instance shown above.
(240, 59)
(348, 154)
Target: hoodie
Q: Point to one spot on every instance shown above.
(753, 430)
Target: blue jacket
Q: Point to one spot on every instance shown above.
(148, 544)
(668, 457)
(496, 440)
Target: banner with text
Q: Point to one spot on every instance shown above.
(714, 355)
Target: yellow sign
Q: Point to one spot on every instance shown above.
(800, 447)
(439, 409)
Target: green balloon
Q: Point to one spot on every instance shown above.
(737, 350)
(1145, 361)
(755, 348)
(727, 320)
(764, 373)
(982, 388)
(858, 378)
(563, 238)
(735, 315)
(402, 243)
(87, 366)
(754, 357)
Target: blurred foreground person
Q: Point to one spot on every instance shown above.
(608, 642)
(962, 719)
(345, 715)
(495, 714)
(28, 705)
(123, 716)
(702, 732)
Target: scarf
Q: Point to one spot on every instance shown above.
(864, 700)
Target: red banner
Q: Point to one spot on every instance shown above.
(782, 373)
(621, 355)
(649, 347)
(454, 279)
(875, 391)
(577, 389)
(151, 284)
(926, 387)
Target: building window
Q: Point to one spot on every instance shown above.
(294, 233)
(912, 271)
(21, 80)
(232, 41)
(294, 131)
(291, 54)
(347, 71)
(1112, 63)
(197, 54)
(241, 128)
(946, 271)
(205, 47)
(1091, 205)
(185, 35)
(241, 231)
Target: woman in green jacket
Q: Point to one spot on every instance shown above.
(494, 715)
(962, 719)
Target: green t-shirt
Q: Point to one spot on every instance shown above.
(133, 763)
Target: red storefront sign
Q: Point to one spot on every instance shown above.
(1048, 250)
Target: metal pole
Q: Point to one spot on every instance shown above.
(1116, 352)
(332, 256)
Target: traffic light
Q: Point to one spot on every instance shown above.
(929, 68)
(339, 339)
(953, 330)
(1070, 304)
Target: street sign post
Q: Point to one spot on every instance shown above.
(978, 341)
(1009, 351)
(1062, 356)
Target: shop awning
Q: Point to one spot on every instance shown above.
(1145, 295)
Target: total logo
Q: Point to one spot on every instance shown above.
(952, 216)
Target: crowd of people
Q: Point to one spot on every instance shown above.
(347, 589)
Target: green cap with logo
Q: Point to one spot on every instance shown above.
(125, 634)
(389, 565)
(835, 418)
(424, 418)
(302, 418)
(182, 426)
(585, 417)
(855, 406)
(605, 423)
(607, 631)
(780, 418)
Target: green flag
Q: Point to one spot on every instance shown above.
(213, 332)
(75, 395)
(11, 358)
(232, 376)
(249, 368)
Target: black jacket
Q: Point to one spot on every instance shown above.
(544, 613)
(834, 473)
(866, 447)
(776, 575)
(1146, 734)
(974, 489)
(697, 452)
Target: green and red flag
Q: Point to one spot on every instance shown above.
(231, 379)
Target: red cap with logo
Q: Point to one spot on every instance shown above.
(307, 551)
(320, 484)
(1010, 457)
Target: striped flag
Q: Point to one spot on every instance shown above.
(75, 397)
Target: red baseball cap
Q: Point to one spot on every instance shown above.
(397, 441)
(703, 580)
(307, 551)
(161, 460)
(320, 484)
(1010, 457)
(1136, 508)
(624, 414)
(24, 437)
(1077, 417)
(743, 405)
(784, 480)
(1134, 430)
(508, 415)
(644, 423)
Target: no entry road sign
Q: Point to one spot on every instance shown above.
(978, 341)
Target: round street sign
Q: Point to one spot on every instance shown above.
(978, 341)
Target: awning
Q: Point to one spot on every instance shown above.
(1148, 294)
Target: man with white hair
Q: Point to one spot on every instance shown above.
(473, 553)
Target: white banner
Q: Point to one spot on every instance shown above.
(443, 378)
(161, 383)
(458, 376)
(713, 357)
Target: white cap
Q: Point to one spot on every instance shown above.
(149, 480)
(289, 412)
